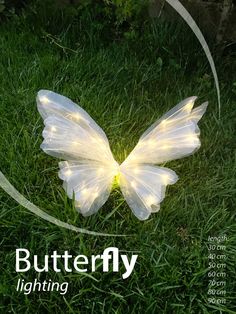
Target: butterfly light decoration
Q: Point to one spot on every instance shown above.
(89, 168)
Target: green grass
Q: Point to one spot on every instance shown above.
(125, 86)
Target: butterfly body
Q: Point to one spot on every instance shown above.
(90, 169)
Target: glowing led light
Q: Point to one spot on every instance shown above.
(165, 178)
(192, 136)
(100, 170)
(99, 140)
(84, 191)
(68, 172)
(151, 143)
(189, 107)
(164, 123)
(76, 116)
(95, 194)
(53, 129)
(133, 184)
(165, 147)
(150, 200)
(94, 140)
(44, 100)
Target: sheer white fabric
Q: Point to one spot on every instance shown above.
(90, 168)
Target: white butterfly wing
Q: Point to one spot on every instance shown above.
(174, 136)
(88, 182)
(144, 186)
(71, 134)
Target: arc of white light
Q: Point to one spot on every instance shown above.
(9, 188)
(192, 24)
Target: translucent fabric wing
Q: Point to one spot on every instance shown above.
(174, 136)
(88, 182)
(71, 134)
(144, 186)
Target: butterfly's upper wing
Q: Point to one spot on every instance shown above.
(174, 136)
(71, 134)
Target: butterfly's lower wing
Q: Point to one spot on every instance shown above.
(71, 134)
(174, 136)
(89, 183)
(144, 186)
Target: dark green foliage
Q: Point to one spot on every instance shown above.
(110, 19)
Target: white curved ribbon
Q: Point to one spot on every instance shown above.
(7, 187)
(192, 24)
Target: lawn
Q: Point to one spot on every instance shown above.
(125, 85)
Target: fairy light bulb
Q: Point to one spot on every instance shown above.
(100, 170)
(53, 129)
(94, 140)
(165, 178)
(133, 184)
(189, 107)
(151, 143)
(84, 191)
(76, 116)
(68, 172)
(95, 194)
(136, 170)
(44, 100)
(164, 123)
(191, 137)
(165, 147)
(151, 200)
